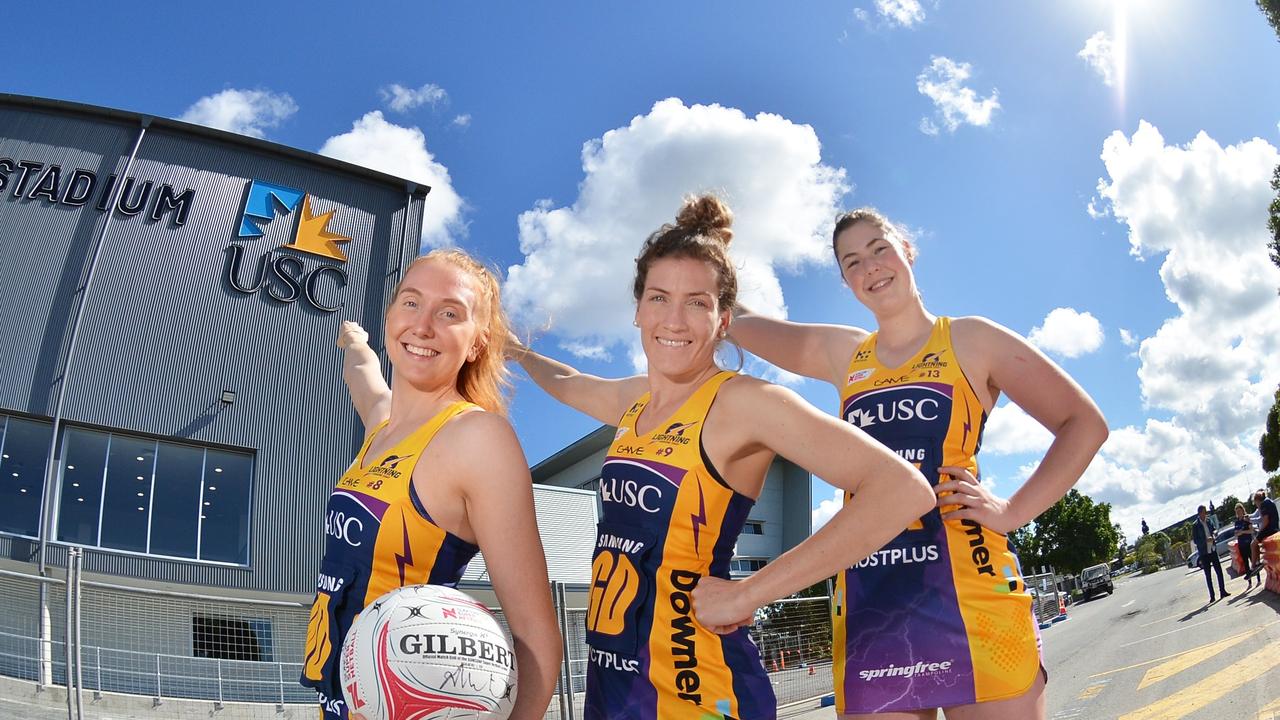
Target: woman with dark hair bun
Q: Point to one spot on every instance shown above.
(955, 628)
(665, 625)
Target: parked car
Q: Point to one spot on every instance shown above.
(1096, 580)
(1222, 542)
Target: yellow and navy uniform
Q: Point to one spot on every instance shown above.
(940, 615)
(378, 537)
(668, 519)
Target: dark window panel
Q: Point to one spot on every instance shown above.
(224, 524)
(85, 453)
(176, 501)
(22, 468)
(125, 503)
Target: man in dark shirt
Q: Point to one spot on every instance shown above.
(1268, 525)
(1206, 544)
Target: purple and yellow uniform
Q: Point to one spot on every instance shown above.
(668, 519)
(940, 615)
(378, 537)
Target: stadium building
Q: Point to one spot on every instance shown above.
(172, 405)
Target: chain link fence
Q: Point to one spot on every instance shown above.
(244, 656)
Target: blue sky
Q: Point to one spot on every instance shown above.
(1103, 193)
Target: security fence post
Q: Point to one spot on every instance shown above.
(77, 562)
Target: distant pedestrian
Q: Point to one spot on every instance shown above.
(1202, 533)
(1244, 541)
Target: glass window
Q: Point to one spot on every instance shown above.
(24, 449)
(86, 462)
(127, 497)
(224, 520)
(176, 500)
(148, 496)
(753, 527)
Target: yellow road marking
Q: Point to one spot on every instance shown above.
(1192, 698)
(1186, 627)
(1190, 658)
(1167, 657)
(1270, 712)
(1090, 692)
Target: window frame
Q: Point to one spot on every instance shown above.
(111, 433)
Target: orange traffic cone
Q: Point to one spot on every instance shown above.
(1062, 609)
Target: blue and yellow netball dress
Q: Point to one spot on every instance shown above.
(378, 537)
(939, 616)
(668, 519)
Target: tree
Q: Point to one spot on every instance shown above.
(1273, 219)
(1269, 444)
(1144, 527)
(1271, 9)
(1075, 532)
(1024, 544)
(1120, 544)
(1273, 485)
(1227, 510)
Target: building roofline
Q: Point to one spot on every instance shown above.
(134, 118)
(575, 451)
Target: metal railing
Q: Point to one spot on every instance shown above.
(166, 645)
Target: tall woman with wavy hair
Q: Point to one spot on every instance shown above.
(955, 628)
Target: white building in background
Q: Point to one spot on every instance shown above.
(779, 521)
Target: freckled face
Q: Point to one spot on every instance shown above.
(432, 326)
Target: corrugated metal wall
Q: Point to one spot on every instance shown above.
(163, 333)
(567, 524)
(45, 246)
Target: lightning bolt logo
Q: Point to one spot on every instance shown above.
(968, 424)
(313, 234)
(700, 519)
(405, 560)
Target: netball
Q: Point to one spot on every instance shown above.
(428, 652)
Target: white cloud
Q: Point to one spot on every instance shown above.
(463, 120)
(768, 168)
(892, 14)
(906, 13)
(1128, 338)
(402, 151)
(1101, 53)
(1010, 431)
(827, 509)
(403, 99)
(1067, 332)
(1209, 368)
(247, 112)
(943, 82)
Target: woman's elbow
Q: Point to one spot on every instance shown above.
(1096, 429)
(918, 494)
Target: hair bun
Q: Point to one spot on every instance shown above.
(706, 215)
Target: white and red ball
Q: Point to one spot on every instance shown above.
(427, 652)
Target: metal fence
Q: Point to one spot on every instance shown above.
(165, 646)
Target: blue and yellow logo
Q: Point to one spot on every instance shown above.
(312, 234)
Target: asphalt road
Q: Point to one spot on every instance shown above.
(1156, 650)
